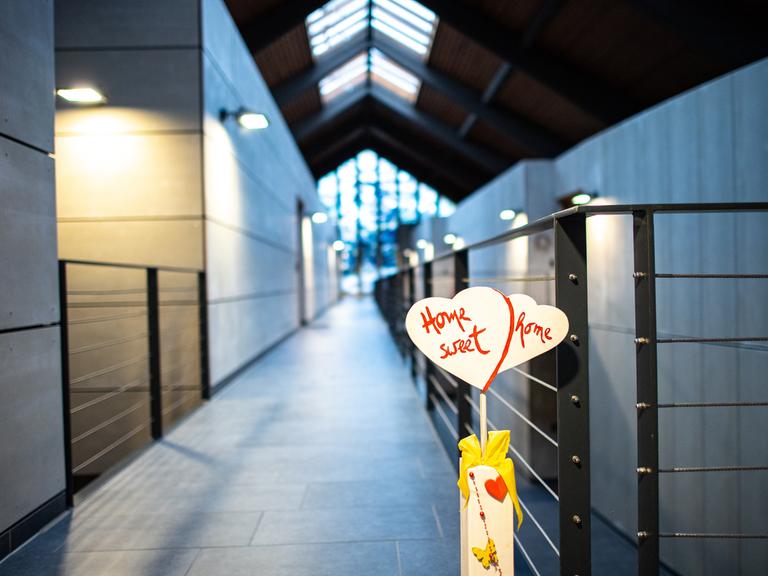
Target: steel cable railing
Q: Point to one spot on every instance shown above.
(124, 379)
(450, 399)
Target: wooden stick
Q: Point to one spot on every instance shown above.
(483, 423)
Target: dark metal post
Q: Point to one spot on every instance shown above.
(155, 388)
(460, 275)
(202, 303)
(411, 301)
(66, 416)
(573, 397)
(427, 364)
(647, 395)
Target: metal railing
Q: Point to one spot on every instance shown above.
(134, 359)
(453, 408)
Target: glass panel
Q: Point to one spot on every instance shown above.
(427, 200)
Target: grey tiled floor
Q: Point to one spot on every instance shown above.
(317, 461)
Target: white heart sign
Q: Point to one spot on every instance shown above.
(481, 332)
(536, 329)
(467, 335)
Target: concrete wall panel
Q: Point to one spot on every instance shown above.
(128, 176)
(28, 249)
(30, 396)
(26, 67)
(150, 242)
(138, 23)
(146, 90)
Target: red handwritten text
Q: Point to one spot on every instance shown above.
(531, 327)
(438, 322)
(471, 344)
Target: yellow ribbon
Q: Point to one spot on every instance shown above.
(496, 457)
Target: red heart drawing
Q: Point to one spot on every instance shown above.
(497, 488)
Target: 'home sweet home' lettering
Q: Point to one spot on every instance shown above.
(461, 345)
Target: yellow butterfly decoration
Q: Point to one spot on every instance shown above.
(488, 555)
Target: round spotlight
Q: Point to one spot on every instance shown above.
(449, 238)
(581, 199)
(459, 244)
(319, 217)
(507, 214)
(338, 245)
(421, 243)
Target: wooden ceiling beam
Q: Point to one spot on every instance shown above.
(543, 15)
(518, 128)
(578, 86)
(261, 30)
(430, 125)
(718, 29)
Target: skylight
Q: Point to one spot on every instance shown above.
(405, 21)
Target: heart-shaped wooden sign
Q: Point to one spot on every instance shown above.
(467, 335)
(536, 329)
(481, 332)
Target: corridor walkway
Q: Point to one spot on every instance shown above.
(319, 460)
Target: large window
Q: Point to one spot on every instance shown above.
(371, 198)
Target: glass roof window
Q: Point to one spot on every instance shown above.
(393, 77)
(344, 78)
(405, 21)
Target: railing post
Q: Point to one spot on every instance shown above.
(573, 459)
(155, 388)
(411, 302)
(647, 395)
(66, 416)
(464, 410)
(202, 303)
(427, 364)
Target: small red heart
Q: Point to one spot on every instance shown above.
(497, 488)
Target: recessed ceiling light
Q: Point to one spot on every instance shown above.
(449, 238)
(338, 245)
(507, 214)
(319, 217)
(421, 243)
(85, 95)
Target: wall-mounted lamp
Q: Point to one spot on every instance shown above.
(421, 243)
(84, 95)
(319, 217)
(507, 214)
(246, 118)
(577, 198)
(338, 245)
(449, 238)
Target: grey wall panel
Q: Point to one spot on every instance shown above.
(146, 90)
(139, 176)
(240, 265)
(26, 67)
(28, 247)
(126, 23)
(240, 330)
(146, 242)
(253, 181)
(32, 451)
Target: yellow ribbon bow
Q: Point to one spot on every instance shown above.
(496, 457)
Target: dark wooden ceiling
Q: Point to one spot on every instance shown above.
(504, 81)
